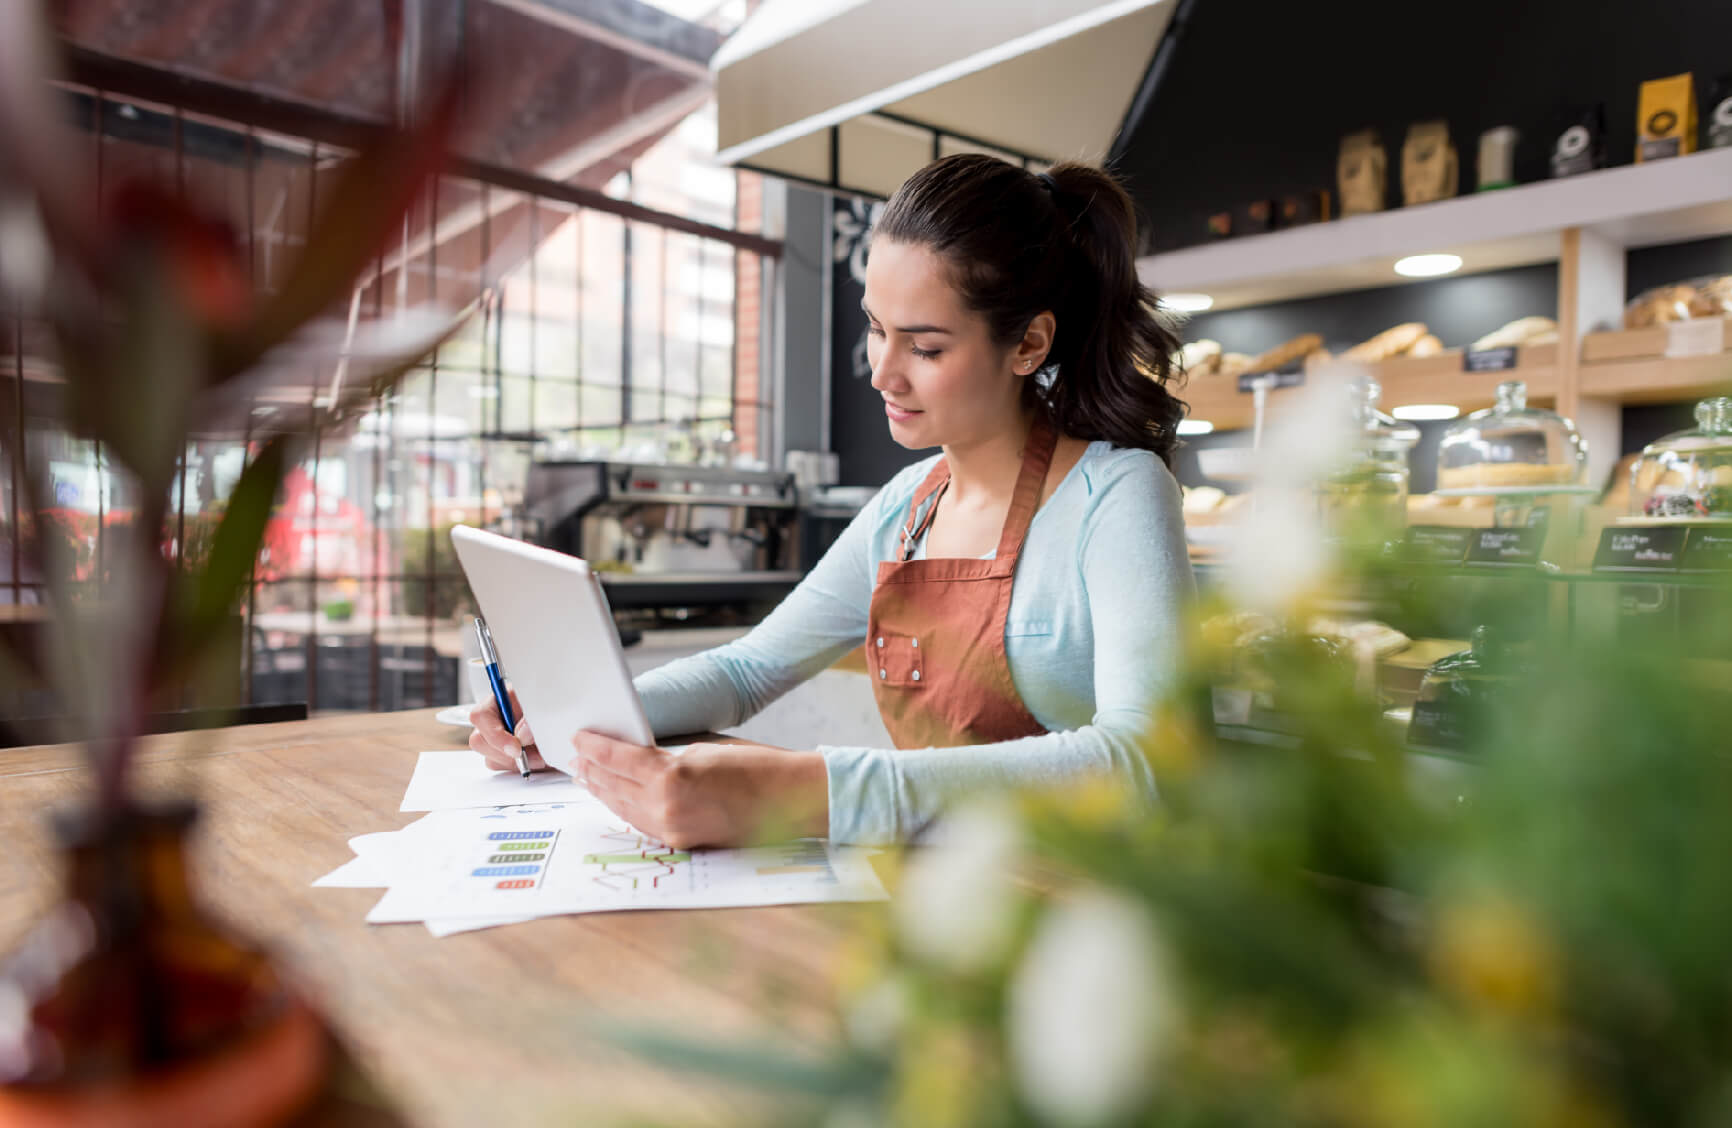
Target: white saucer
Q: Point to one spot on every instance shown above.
(454, 715)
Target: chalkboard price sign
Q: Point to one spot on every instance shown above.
(1289, 377)
(1490, 360)
(1655, 549)
(1507, 548)
(1437, 724)
(1708, 550)
(1438, 544)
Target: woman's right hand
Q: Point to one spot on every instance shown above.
(498, 747)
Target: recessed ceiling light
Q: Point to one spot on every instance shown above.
(1426, 412)
(1427, 266)
(1187, 303)
(1195, 426)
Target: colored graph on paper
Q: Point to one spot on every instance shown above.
(632, 861)
(561, 858)
(515, 859)
(809, 859)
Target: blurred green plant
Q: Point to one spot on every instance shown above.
(434, 583)
(160, 335)
(1327, 929)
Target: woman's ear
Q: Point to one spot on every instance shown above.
(1031, 352)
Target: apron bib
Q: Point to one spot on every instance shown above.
(935, 637)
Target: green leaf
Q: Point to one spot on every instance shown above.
(206, 604)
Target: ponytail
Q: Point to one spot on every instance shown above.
(1019, 244)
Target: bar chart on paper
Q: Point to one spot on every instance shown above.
(552, 858)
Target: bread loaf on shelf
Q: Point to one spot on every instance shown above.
(1390, 342)
(1233, 365)
(1707, 297)
(1521, 331)
(1427, 345)
(1287, 352)
(1483, 474)
(1198, 358)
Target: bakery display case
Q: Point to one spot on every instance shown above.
(1511, 446)
(1517, 467)
(1686, 477)
(1522, 530)
(1370, 489)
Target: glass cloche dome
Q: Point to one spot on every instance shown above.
(1372, 482)
(1688, 475)
(1511, 445)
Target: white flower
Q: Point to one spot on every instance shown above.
(957, 904)
(1091, 1011)
(1278, 553)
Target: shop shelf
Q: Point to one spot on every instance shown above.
(1405, 380)
(1637, 205)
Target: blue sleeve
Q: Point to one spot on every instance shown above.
(1132, 561)
(819, 621)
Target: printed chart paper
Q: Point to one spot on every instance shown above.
(552, 858)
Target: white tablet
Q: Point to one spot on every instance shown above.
(557, 643)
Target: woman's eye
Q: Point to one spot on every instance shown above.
(874, 330)
(927, 354)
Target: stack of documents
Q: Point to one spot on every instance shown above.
(496, 848)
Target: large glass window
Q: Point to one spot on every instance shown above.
(592, 336)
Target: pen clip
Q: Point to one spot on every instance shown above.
(483, 636)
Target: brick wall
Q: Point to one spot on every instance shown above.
(749, 418)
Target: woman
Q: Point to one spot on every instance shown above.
(1018, 594)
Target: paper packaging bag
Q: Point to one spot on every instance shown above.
(1717, 130)
(1361, 172)
(1497, 148)
(1430, 169)
(1581, 147)
(1666, 118)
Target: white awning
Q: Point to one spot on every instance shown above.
(857, 94)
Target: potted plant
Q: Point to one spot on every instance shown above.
(128, 995)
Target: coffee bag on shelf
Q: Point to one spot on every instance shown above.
(1666, 118)
(1430, 169)
(1581, 147)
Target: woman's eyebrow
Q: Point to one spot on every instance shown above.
(909, 328)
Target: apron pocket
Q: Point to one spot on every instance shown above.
(1021, 628)
(899, 660)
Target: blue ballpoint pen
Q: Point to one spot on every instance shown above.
(490, 658)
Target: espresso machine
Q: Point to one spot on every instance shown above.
(677, 541)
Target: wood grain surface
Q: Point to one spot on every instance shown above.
(500, 1028)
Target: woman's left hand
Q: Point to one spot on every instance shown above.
(709, 795)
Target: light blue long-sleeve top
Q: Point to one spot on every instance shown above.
(1092, 641)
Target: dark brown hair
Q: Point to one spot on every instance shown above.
(1017, 244)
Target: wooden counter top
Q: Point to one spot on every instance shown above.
(494, 1027)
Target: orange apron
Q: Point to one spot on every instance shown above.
(935, 635)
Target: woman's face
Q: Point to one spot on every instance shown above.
(943, 380)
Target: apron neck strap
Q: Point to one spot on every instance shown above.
(1030, 480)
(937, 479)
